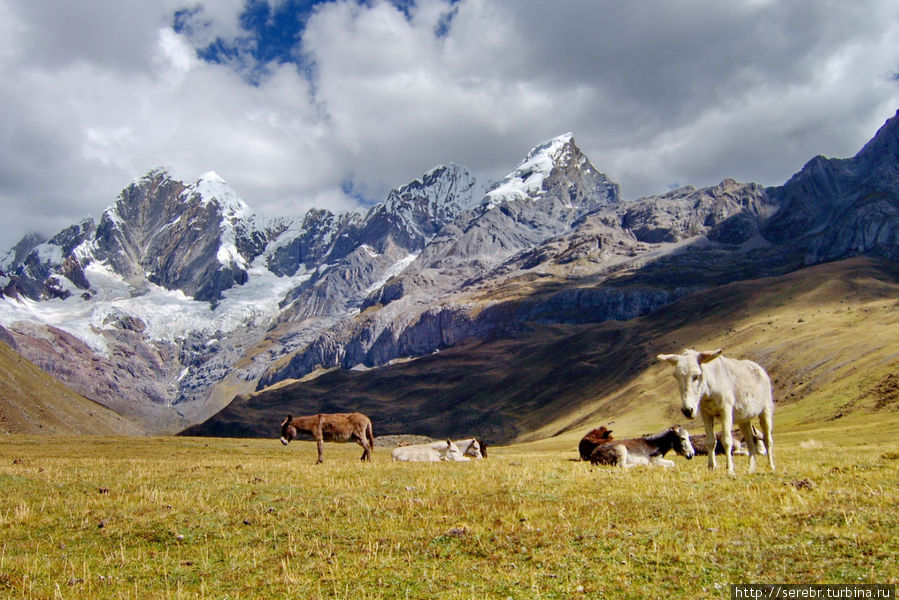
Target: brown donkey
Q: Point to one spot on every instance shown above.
(338, 427)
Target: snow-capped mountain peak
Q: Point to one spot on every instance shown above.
(526, 181)
(558, 169)
(211, 187)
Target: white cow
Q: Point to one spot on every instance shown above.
(733, 391)
(471, 447)
(428, 453)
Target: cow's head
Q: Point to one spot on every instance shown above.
(288, 431)
(690, 378)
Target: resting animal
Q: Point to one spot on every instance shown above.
(647, 450)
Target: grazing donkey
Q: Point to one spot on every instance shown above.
(733, 391)
(592, 439)
(647, 450)
(337, 427)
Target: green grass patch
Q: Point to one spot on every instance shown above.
(216, 518)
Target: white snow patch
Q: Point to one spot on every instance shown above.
(49, 254)
(169, 315)
(394, 270)
(211, 187)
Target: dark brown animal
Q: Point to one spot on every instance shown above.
(594, 438)
(337, 427)
(483, 447)
(647, 450)
(701, 448)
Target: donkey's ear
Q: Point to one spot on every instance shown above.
(669, 358)
(705, 357)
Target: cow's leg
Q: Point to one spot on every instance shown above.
(320, 443)
(709, 423)
(727, 440)
(766, 420)
(746, 428)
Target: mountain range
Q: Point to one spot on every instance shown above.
(180, 304)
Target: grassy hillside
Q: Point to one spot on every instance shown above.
(826, 334)
(32, 401)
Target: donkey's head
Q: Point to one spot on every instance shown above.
(451, 452)
(474, 449)
(690, 377)
(288, 431)
(682, 443)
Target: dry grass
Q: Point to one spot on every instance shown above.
(216, 518)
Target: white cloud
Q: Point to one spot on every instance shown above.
(657, 93)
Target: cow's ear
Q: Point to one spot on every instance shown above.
(669, 358)
(705, 357)
(286, 421)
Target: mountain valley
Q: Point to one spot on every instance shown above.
(513, 310)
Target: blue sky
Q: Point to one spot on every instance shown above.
(332, 103)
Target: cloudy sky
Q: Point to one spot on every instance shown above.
(332, 103)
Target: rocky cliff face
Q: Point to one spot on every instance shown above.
(835, 208)
(180, 293)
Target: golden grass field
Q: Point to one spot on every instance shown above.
(107, 517)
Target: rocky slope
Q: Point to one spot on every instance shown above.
(180, 297)
(32, 401)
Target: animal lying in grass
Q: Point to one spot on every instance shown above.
(471, 447)
(729, 390)
(700, 447)
(337, 427)
(592, 439)
(648, 450)
(433, 452)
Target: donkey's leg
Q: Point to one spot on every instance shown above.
(746, 428)
(727, 440)
(709, 423)
(366, 447)
(766, 420)
(320, 443)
